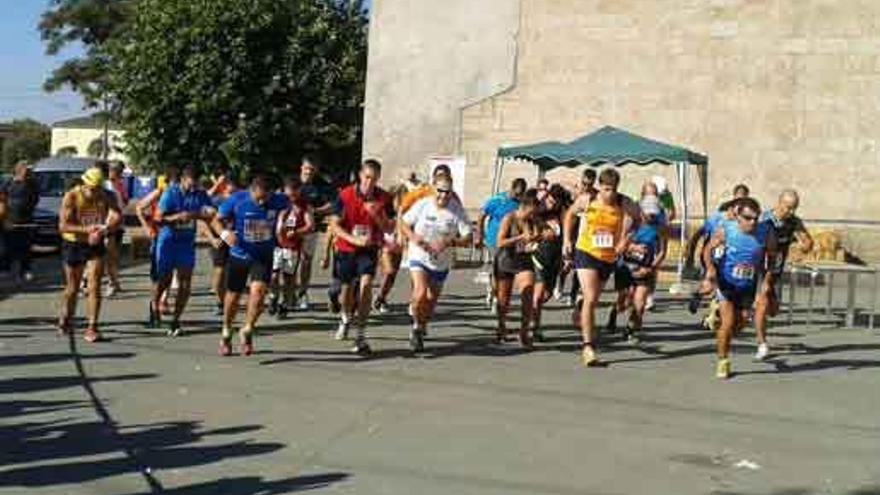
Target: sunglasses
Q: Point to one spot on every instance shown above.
(749, 218)
(444, 191)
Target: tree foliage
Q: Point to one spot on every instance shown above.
(30, 141)
(91, 24)
(257, 82)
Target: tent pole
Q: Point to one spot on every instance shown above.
(495, 175)
(678, 287)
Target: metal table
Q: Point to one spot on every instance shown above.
(830, 269)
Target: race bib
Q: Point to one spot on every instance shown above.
(89, 218)
(362, 231)
(257, 230)
(718, 253)
(744, 272)
(603, 240)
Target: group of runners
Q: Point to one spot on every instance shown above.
(264, 239)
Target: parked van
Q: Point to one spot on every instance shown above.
(55, 176)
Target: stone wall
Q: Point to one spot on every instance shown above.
(778, 93)
(427, 61)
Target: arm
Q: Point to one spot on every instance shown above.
(328, 251)
(3, 207)
(503, 231)
(308, 226)
(711, 279)
(660, 257)
(217, 183)
(774, 263)
(143, 206)
(691, 246)
(479, 233)
(67, 223)
(339, 231)
(804, 239)
(568, 224)
(325, 209)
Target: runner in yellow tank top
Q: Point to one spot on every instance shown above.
(87, 215)
(595, 250)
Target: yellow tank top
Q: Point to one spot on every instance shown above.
(599, 231)
(87, 212)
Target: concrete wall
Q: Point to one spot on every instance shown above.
(428, 60)
(778, 93)
(81, 138)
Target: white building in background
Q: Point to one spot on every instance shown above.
(83, 137)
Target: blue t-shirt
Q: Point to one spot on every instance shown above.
(647, 235)
(496, 209)
(743, 257)
(175, 200)
(254, 224)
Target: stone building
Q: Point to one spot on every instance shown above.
(83, 137)
(778, 93)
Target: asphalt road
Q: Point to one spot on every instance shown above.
(144, 414)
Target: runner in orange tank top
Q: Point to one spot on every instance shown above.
(598, 244)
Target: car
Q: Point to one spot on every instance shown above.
(54, 176)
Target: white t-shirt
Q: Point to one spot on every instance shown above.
(432, 224)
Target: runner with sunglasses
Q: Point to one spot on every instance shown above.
(749, 248)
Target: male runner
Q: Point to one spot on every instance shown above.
(222, 186)
(116, 184)
(246, 222)
(362, 215)
(433, 229)
(749, 250)
(181, 205)
(789, 228)
(147, 210)
(88, 214)
(319, 196)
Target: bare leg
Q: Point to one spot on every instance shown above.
(729, 321)
(525, 284)
(504, 286)
(112, 262)
(94, 272)
(230, 310)
(254, 307)
(184, 278)
(365, 301)
(217, 285)
(73, 277)
(761, 312)
(420, 302)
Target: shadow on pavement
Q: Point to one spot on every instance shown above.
(254, 485)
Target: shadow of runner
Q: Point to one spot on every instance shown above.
(254, 485)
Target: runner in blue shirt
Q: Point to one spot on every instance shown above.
(494, 211)
(180, 206)
(750, 248)
(247, 223)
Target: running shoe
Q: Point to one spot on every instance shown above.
(416, 340)
(283, 312)
(763, 352)
(303, 304)
(342, 331)
(64, 327)
(525, 338)
(154, 320)
(557, 294)
(27, 276)
(226, 346)
(218, 310)
(246, 346)
(590, 358)
(361, 347)
(694, 303)
(174, 329)
(538, 335)
(649, 304)
(92, 334)
(633, 336)
(273, 305)
(381, 306)
(722, 369)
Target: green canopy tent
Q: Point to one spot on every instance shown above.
(612, 146)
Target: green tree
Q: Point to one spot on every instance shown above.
(30, 141)
(259, 81)
(90, 24)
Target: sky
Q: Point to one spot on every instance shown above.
(24, 66)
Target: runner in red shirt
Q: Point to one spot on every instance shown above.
(293, 225)
(362, 215)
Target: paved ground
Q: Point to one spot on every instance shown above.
(144, 414)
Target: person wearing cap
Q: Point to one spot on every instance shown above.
(667, 201)
(88, 214)
(641, 260)
(433, 229)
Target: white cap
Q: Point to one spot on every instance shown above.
(661, 184)
(650, 205)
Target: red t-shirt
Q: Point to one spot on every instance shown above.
(291, 220)
(351, 207)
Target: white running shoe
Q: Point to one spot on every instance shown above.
(763, 352)
(557, 294)
(342, 331)
(303, 304)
